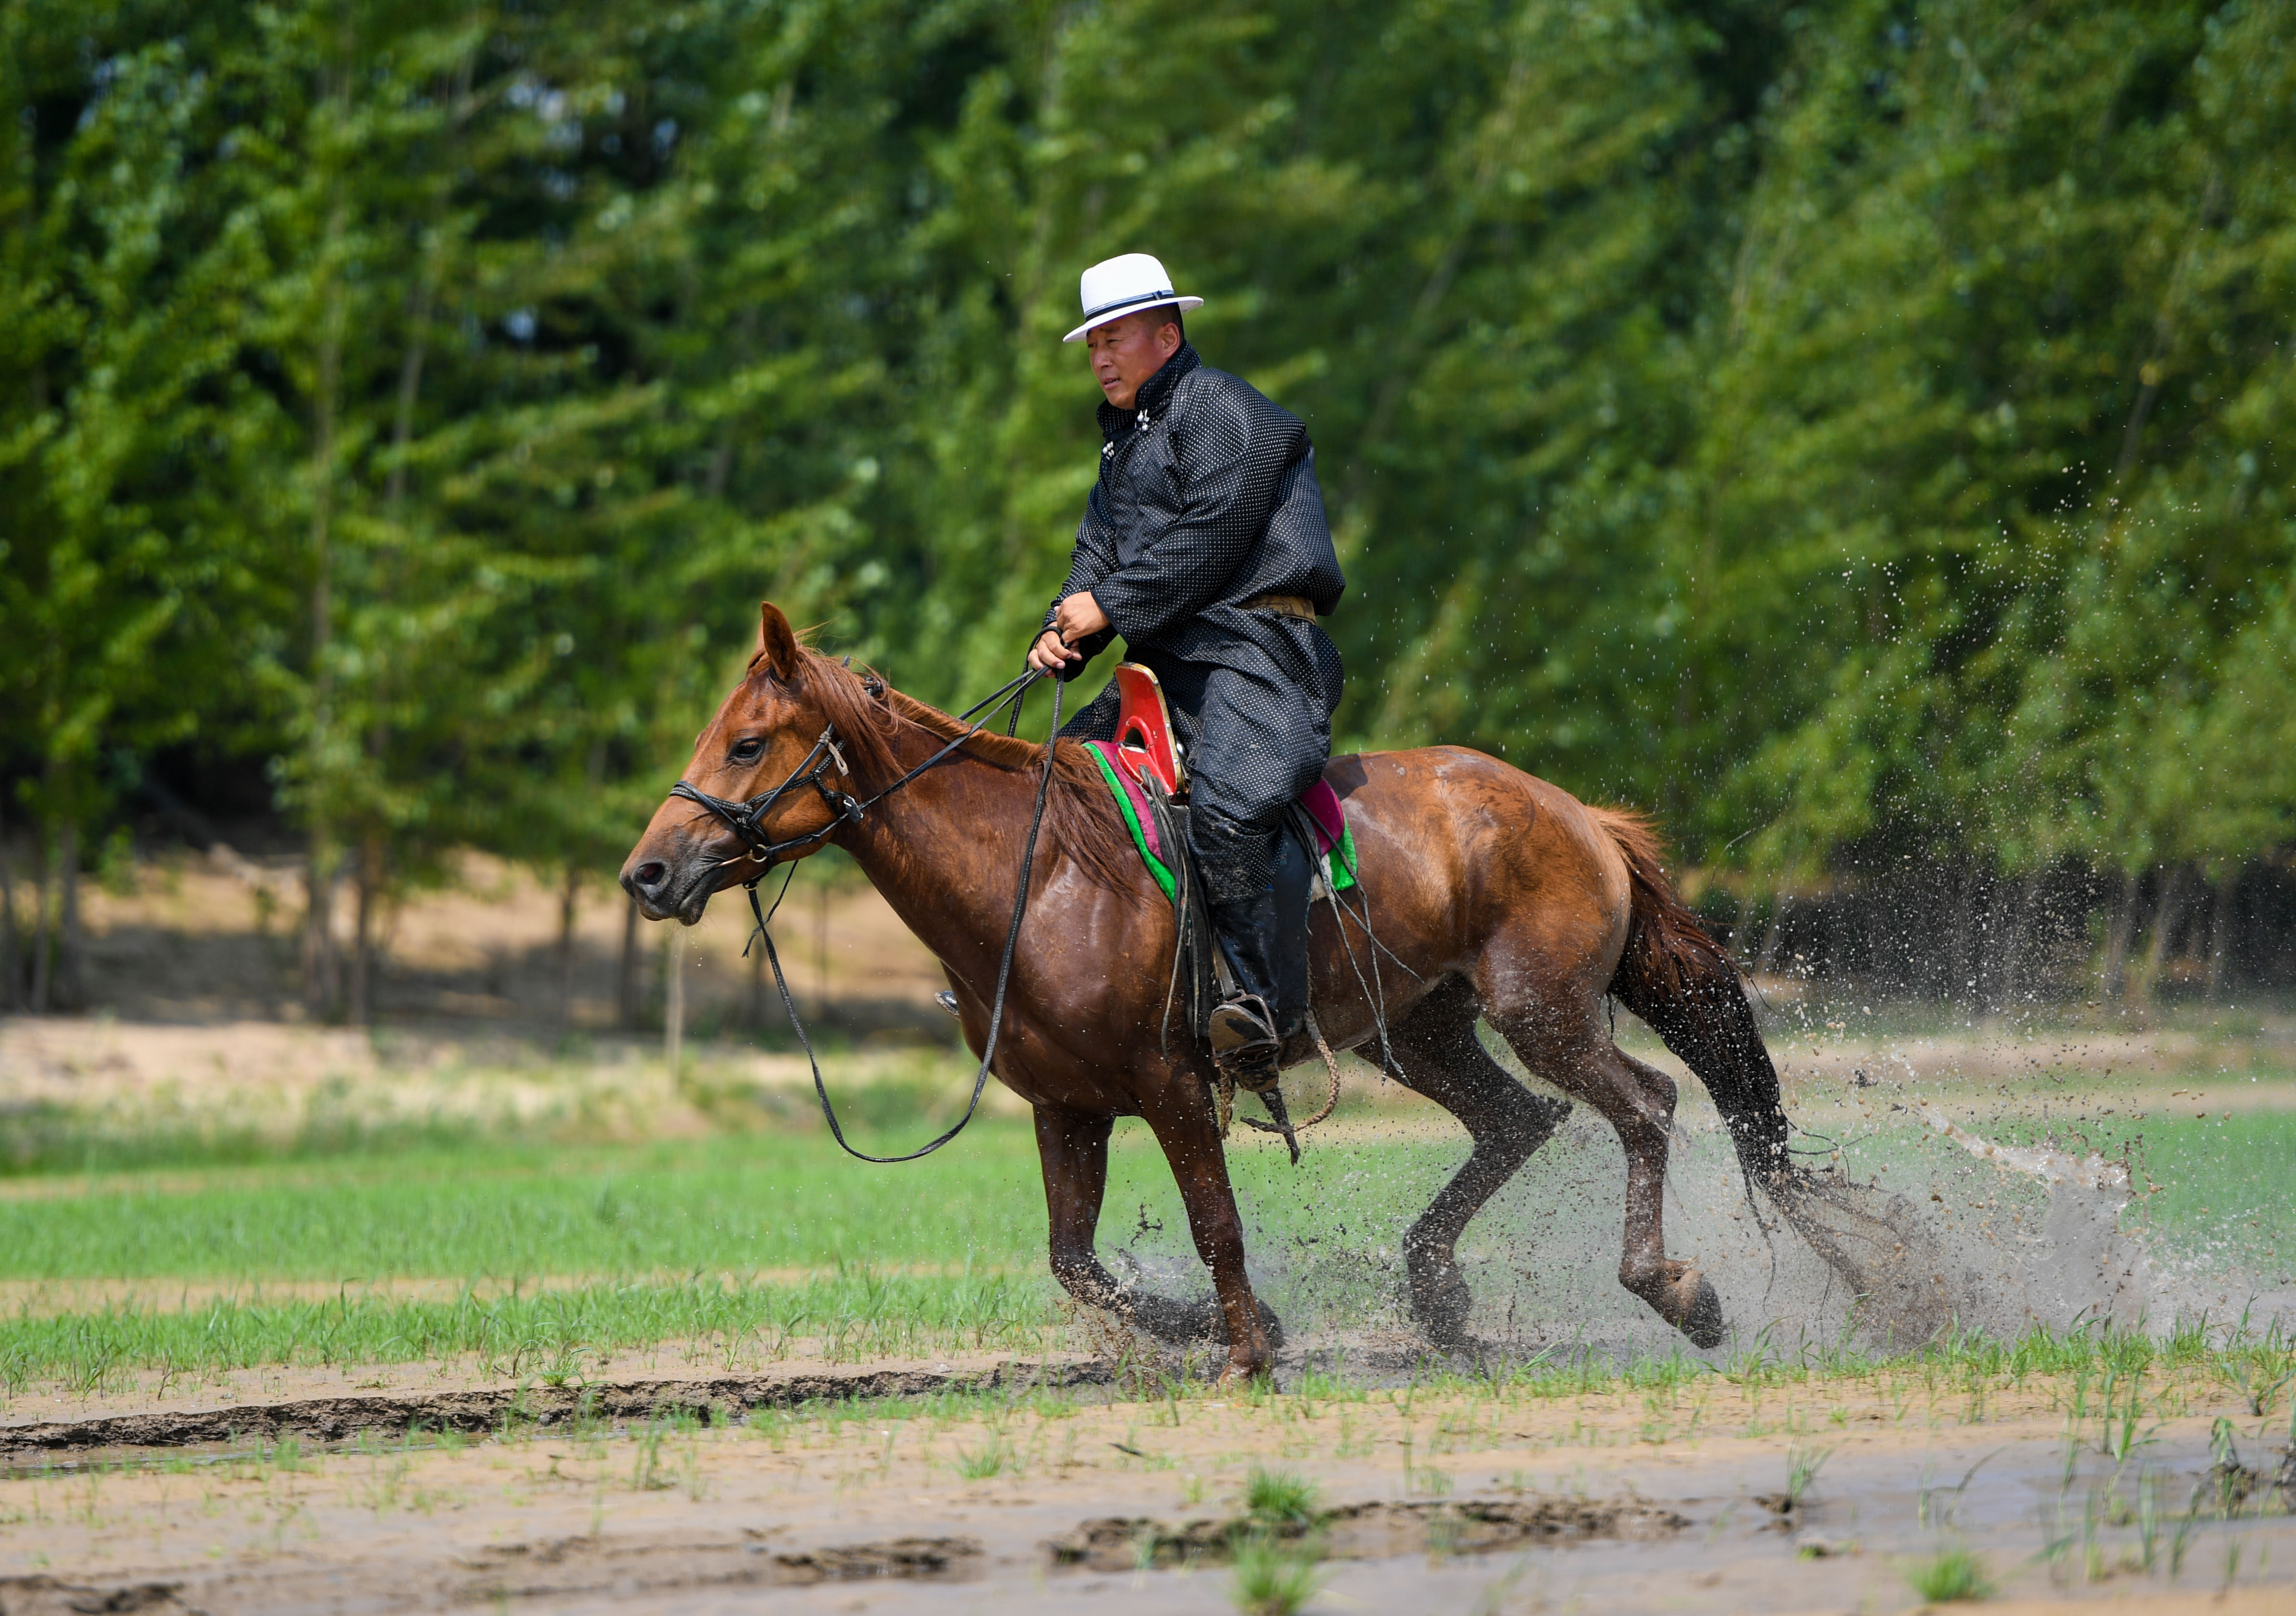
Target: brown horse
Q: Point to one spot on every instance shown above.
(1491, 895)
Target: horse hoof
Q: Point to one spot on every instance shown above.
(1702, 1319)
(1439, 1303)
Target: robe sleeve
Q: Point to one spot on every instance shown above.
(1094, 559)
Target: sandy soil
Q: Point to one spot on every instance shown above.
(197, 1023)
(282, 1079)
(155, 1074)
(215, 937)
(1642, 1501)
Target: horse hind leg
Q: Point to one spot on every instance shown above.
(1439, 1056)
(1573, 1053)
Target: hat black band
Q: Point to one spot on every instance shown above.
(1166, 296)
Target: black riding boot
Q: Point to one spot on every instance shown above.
(1264, 938)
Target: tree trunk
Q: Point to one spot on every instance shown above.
(11, 970)
(820, 950)
(756, 951)
(2164, 924)
(1959, 952)
(626, 986)
(570, 898)
(673, 1014)
(43, 906)
(320, 984)
(2013, 945)
(320, 987)
(2223, 913)
(1879, 897)
(369, 889)
(71, 951)
(2116, 938)
(1773, 935)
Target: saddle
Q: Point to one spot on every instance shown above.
(1146, 770)
(1141, 714)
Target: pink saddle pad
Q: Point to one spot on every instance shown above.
(1321, 802)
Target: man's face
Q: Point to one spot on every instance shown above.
(1127, 352)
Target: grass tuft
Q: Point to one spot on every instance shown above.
(1802, 1465)
(1951, 1575)
(1271, 1580)
(1279, 1497)
(980, 1463)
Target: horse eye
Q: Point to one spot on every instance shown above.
(747, 751)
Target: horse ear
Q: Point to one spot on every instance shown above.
(777, 653)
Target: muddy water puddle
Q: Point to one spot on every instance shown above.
(1708, 1495)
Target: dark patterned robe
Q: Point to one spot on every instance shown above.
(1207, 497)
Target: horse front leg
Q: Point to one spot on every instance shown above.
(1072, 1146)
(1191, 1140)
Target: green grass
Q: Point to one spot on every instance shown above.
(851, 1317)
(1271, 1580)
(817, 1246)
(1951, 1575)
(1802, 1464)
(2224, 1185)
(655, 1230)
(1279, 1497)
(727, 1203)
(724, 1204)
(980, 1463)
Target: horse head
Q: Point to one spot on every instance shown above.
(765, 731)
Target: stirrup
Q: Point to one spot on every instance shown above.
(1244, 1045)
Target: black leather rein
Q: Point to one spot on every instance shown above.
(745, 819)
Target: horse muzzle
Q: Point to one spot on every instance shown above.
(677, 885)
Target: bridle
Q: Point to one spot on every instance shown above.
(745, 818)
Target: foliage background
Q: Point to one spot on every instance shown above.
(1852, 430)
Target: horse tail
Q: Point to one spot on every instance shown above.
(1679, 980)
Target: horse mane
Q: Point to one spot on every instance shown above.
(1080, 817)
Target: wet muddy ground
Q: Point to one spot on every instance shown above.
(1052, 1486)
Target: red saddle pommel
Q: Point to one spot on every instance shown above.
(1143, 730)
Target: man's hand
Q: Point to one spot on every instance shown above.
(1077, 617)
(1050, 653)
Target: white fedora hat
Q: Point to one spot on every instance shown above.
(1125, 285)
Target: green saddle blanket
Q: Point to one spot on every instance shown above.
(1335, 849)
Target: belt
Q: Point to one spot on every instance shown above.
(1286, 606)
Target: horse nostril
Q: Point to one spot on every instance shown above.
(651, 875)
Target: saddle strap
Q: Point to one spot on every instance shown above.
(1193, 990)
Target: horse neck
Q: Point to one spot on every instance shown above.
(944, 851)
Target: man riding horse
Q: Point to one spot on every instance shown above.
(1204, 545)
(1505, 900)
